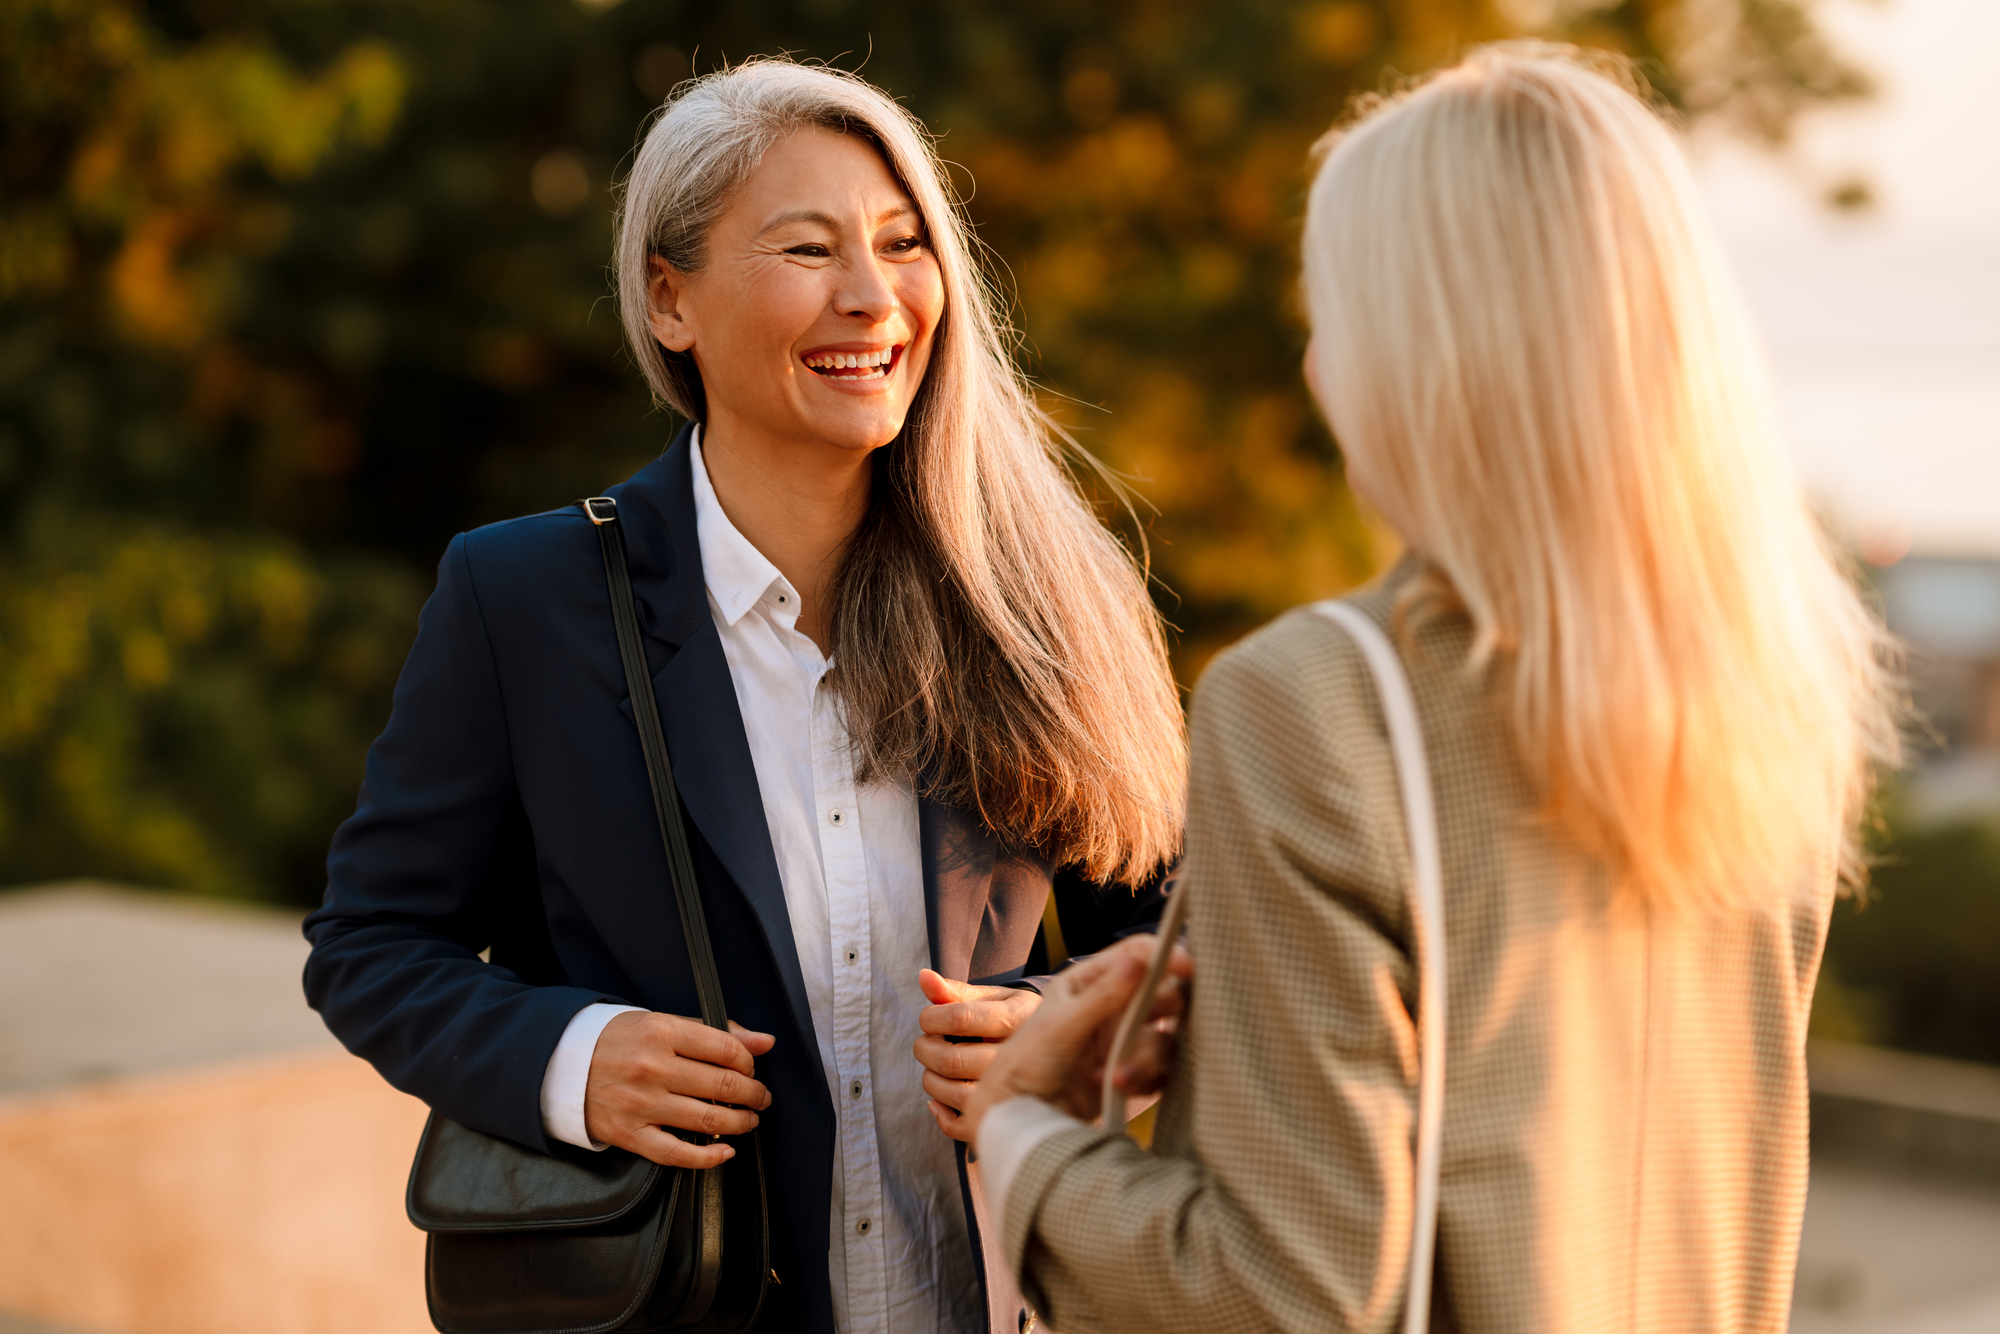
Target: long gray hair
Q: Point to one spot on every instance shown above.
(993, 640)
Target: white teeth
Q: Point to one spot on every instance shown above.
(864, 361)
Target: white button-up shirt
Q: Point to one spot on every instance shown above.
(849, 857)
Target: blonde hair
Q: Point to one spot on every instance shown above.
(994, 641)
(1536, 361)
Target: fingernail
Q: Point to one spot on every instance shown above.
(727, 1153)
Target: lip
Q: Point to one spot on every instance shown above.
(856, 386)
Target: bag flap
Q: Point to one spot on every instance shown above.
(464, 1180)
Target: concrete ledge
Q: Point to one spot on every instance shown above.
(183, 1148)
(1903, 1112)
(257, 1197)
(100, 983)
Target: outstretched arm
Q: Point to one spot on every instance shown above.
(1281, 1197)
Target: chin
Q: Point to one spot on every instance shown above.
(865, 435)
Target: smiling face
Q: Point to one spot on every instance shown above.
(812, 321)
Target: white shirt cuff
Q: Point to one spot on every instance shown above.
(567, 1079)
(1010, 1131)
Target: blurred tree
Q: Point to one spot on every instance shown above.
(295, 289)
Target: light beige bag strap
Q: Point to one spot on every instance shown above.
(1406, 745)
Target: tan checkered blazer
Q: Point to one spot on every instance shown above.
(1625, 1094)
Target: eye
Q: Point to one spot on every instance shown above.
(906, 245)
(810, 250)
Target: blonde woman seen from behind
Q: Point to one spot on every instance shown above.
(1652, 705)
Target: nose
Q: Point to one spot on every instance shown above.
(866, 292)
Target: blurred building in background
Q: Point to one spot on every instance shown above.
(1946, 609)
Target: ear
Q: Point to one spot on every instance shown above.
(666, 293)
(1310, 363)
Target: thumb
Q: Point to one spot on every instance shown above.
(941, 990)
(754, 1042)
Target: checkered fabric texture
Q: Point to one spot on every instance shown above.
(1625, 1091)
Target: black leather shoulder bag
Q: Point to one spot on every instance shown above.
(588, 1243)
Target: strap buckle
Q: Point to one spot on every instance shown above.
(609, 512)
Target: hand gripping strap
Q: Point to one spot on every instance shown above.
(1406, 745)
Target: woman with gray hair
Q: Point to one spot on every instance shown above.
(906, 680)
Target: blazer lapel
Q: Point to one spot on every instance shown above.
(958, 868)
(718, 783)
(697, 703)
(984, 902)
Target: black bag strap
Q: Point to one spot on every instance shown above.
(603, 512)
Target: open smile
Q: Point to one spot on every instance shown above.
(854, 366)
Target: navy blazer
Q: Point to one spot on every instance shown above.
(505, 810)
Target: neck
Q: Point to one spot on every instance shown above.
(796, 502)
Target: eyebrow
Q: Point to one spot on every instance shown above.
(827, 221)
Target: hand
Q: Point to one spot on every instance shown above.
(1059, 1053)
(651, 1071)
(959, 1009)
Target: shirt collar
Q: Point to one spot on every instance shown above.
(738, 574)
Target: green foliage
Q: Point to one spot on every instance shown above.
(292, 290)
(179, 703)
(1913, 965)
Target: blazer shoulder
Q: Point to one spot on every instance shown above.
(1299, 657)
(525, 539)
(516, 563)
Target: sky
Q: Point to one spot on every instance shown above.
(1883, 325)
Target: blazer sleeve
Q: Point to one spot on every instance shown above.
(1281, 1199)
(424, 877)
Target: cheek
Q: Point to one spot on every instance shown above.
(766, 315)
(920, 291)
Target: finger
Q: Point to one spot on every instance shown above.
(698, 1042)
(954, 1060)
(754, 1042)
(1146, 1071)
(949, 1121)
(994, 1018)
(714, 1083)
(1086, 971)
(1170, 1001)
(951, 1092)
(1098, 999)
(704, 1118)
(670, 1150)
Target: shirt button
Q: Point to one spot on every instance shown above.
(781, 599)
(863, 1226)
(834, 816)
(854, 1089)
(852, 954)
